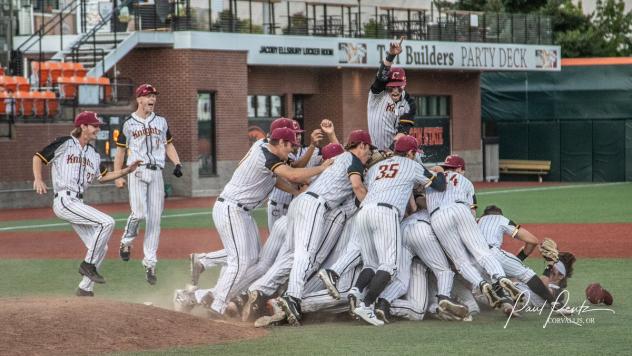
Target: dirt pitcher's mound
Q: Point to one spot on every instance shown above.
(87, 326)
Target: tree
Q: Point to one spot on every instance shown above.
(614, 26)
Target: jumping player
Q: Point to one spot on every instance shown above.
(389, 116)
(146, 137)
(76, 164)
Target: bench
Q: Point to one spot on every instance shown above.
(519, 166)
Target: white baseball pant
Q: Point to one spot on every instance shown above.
(514, 268)
(147, 199)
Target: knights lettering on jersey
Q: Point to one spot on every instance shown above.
(145, 139)
(74, 167)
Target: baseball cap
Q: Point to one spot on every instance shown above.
(285, 134)
(282, 122)
(331, 150)
(407, 143)
(453, 161)
(87, 118)
(296, 126)
(396, 77)
(145, 89)
(359, 136)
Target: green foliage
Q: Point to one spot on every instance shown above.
(298, 25)
(614, 26)
(373, 29)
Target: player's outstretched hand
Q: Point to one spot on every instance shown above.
(437, 169)
(120, 182)
(40, 187)
(178, 171)
(316, 136)
(396, 46)
(327, 126)
(327, 163)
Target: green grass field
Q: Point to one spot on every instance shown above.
(602, 332)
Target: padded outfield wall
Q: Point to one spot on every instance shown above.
(580, 119)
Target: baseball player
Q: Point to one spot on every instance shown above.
(307, 212)
(249, 186)
(75, 165)
(390, 184)
(389, 116)
(305, 156)
(456, 229)
(145, 136)
(494, 227)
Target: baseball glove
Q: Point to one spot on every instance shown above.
(378, 156)
(548, 250)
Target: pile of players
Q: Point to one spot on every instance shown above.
(364, 228)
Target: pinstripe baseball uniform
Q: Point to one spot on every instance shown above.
(390, 184)
(385, 117)
(73, 169)
(413, 305)
(250, 185)
(456, 228)
(419, 238)
(279, 200)
(494, 227)
(307, 215)
(146, 140)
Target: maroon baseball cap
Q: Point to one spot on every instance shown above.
(145, 89)
(453, 161)
(406, 143)
(282, 122)
(285, 134)
(359, 136)
(331, 150)
(396, 77)
(87, 118)
(296, 126)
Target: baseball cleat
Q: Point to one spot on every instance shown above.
(207, 300)
(253, 307)
(365, 313)
(183, 300)
(352, 297)
(84, 293)
(90, 270)
(510, 288)
(492, 298)
(214, 315)
(454, 307)
(383, 310)
(150, 275)
(125, 252)
(276, 318)
(330, 279)
(291, 308)
(196, 268)
(507, 308)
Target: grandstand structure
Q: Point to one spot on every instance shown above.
(226, 69)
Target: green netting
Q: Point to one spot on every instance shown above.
(628, 150)
(514, 140)
(608, 151)
(544, 144)
(576, 151)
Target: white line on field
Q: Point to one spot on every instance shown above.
(520, 190)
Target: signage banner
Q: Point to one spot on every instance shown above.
(352, 52)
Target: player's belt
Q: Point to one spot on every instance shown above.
(70, 194)
(386, 205)
(319, 198)
(458, 202)
(273, 203)
(153, 167)
(238, 204)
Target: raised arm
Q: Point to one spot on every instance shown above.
(381, 79)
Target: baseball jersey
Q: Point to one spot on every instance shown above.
(254, 178)
(333, 185)
(146, 139)
(383, 117)
(391, 181)
(74, 167)
(283, 197)
(495, 227)
(458, 190)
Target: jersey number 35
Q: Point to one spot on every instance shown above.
(388, 171)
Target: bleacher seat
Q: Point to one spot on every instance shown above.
(68, 69)
(7, 103)
(52, 104)
(24, 103)
(9, 83)
(68, 87)
(41, 72)
(22, 83)
(39, 103)
(106, 90)
(55, 69)
(80, 71)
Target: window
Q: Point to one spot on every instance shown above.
(207, 158)
(262, 110)
(432, 126)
